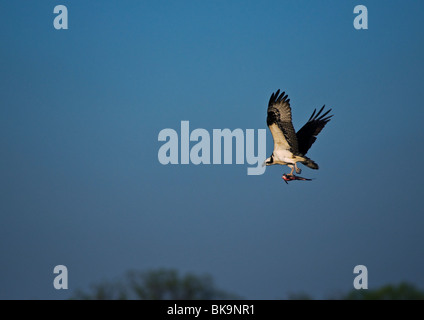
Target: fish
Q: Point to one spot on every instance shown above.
(291, 177)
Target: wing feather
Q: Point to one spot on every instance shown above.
(279, 121)
(307, 135)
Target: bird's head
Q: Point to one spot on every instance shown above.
(269, 161)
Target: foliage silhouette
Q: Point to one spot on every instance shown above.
(402, 291)
(162, 284)
(168, 284)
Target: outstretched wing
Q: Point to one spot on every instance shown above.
(279, 121)
(307, 135)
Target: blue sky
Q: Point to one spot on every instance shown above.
(80, 113)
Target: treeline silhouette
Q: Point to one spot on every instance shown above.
(161, 284)
(169, 284)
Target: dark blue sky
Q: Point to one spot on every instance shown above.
(80, 113)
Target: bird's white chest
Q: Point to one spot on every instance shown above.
(283, 156)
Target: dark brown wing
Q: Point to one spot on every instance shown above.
(307, 135)
(279, 121)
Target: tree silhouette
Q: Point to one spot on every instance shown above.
(168, 284)
(162, 284)
(402, 291)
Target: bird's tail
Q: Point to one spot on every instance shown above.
(308, 162)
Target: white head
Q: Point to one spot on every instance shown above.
(269, 161)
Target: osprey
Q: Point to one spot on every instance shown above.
(290, 147)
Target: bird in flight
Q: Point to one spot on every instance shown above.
(290, 147)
